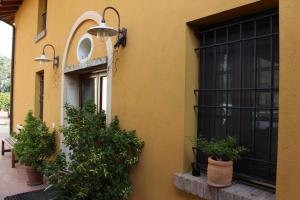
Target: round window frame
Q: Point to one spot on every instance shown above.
(82, 38)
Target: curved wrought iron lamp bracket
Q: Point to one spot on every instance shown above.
(55, 58)
(122, 32)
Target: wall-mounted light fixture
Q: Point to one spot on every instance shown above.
(104, 31)
(43, 58)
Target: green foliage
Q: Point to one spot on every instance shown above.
(4, 101)
(5, 74)
(35, 144)
(224, 149)
(101, 158)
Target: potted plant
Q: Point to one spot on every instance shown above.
(221, 155)
(35, 144)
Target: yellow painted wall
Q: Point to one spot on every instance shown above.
(288, 175)
(157, 73)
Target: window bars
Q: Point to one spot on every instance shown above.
(238, 90)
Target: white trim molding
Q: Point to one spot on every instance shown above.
(81, 66)
(66, 83)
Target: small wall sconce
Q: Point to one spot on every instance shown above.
(106, 31)
(43, 58)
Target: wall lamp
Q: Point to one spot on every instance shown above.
(43, 58)
(104, 31)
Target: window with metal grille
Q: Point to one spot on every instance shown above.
(238, 90)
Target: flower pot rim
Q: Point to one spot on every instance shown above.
(220, 163)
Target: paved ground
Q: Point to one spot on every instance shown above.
(12, 181)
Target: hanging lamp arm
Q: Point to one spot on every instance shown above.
(49, 45)
(122, 33)
(55, 58)
(112, 8)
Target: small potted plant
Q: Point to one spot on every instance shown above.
(35, 144)
(221, 155)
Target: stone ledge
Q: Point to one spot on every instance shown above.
(198, 186)
(89, 64)
(40, 36)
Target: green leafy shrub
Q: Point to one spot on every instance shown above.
(223, 149)
(101, 158)
(5, 74)
(4, 101)
(35, 144)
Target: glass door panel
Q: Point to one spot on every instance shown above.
(88, 88)
(93, 87)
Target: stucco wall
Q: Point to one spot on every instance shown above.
(155, 78)
(288, 175)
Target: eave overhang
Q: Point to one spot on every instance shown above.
(8, 10)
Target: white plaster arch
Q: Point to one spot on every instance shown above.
(96, 17)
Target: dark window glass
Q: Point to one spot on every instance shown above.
(248, 64)
(247, 98)
(221, 35)
(275, 99)
(234, 32)
(263, 99)
(210, 38)
(248, 29)
(201, 38)
(275, 52)
(263, 62)
(275, 24)
(42, 15)
(234, 64)
(221, 66)
(41, 97)
(88, 89)
(239, 92)
(263, 26)
(209, 74)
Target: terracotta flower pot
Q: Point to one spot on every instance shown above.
(219, 173)
(34, 177)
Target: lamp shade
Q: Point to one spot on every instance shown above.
(43, 58)
(103, 31)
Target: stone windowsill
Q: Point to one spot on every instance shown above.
(40, 36)
(198, 186)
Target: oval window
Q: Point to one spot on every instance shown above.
(84, 48)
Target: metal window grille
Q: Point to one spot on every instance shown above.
(238, 91)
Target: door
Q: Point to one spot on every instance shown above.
(93, 87)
